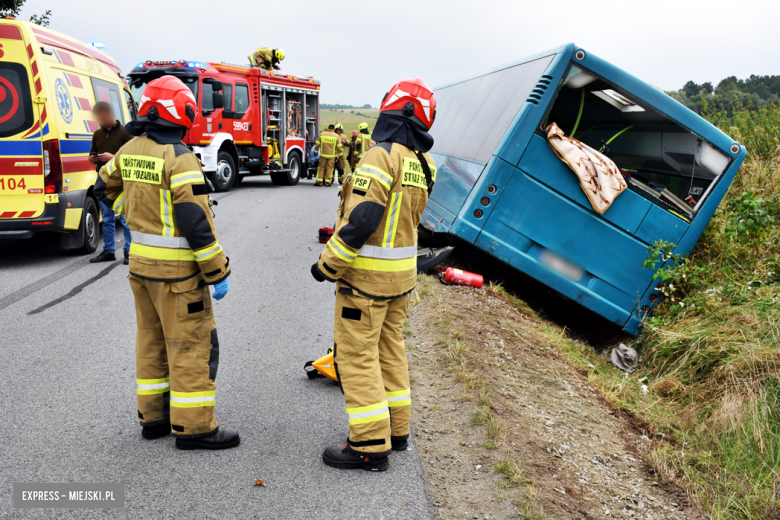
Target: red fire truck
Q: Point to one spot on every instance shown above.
(251, 121)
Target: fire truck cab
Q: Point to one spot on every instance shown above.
(250, 121)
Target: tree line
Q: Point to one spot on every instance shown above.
(338, 106)
(730, 95)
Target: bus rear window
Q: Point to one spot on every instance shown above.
(16, 110)
(661, 161)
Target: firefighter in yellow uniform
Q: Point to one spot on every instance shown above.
(355, 145)
(158, 184)
(266, 58)
(372, 257)
(328, 146)
(341, 160)
(364, 138)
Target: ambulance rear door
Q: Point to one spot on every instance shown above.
(21, 115)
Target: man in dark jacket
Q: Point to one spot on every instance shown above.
(106, 141)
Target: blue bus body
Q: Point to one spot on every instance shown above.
(501, 187)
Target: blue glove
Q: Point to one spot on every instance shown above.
(221, 289)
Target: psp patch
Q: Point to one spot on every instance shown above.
(142, 168)
(361, 183)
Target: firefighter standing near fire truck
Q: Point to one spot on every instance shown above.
(158, 184)
(266, 58)
(341, 160)
(328, 146)
(372, 258)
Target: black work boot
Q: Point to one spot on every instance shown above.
(345, 458)
(400, 443)
(126, 261)
(104, 256)
(156, 431)
(221, 440)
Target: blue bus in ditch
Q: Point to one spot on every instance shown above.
(501, 187)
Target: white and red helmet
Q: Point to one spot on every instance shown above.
(168, 101)
(413, 99)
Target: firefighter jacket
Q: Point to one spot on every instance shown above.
(263, 58)
(364, 143)
(161, 190)
(344, 146)
(354, 146)
(328, 144)
(374, 245)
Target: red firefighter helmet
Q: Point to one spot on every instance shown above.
(411, 98)
(167, 101)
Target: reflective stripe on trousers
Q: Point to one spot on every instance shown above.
(399, 398)
(367, 414)
(153, 386)
(193, 399)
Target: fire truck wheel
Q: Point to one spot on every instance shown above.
(291, 177)
(226, 172)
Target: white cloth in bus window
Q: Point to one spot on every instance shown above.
(599, 177)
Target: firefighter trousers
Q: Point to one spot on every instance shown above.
(177, 354)
(370, 360)
(341, 165)
(325, 171)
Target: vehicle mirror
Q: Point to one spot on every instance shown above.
(217, 100)
(216, 84)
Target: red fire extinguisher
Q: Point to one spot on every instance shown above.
(459, 277)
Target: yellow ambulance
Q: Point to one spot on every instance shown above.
(49, 83)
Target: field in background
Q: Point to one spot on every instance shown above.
(349, 117)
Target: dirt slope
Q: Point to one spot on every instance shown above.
(507, 429)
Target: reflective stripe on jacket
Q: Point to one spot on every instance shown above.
(162, 192)
(374, 245)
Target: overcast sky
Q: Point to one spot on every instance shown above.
(359, 48)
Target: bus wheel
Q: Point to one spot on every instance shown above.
(90, 227)
(226, 172)
(290, 178)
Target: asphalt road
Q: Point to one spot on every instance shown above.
(67, 366)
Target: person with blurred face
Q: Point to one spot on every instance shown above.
(106, 141)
